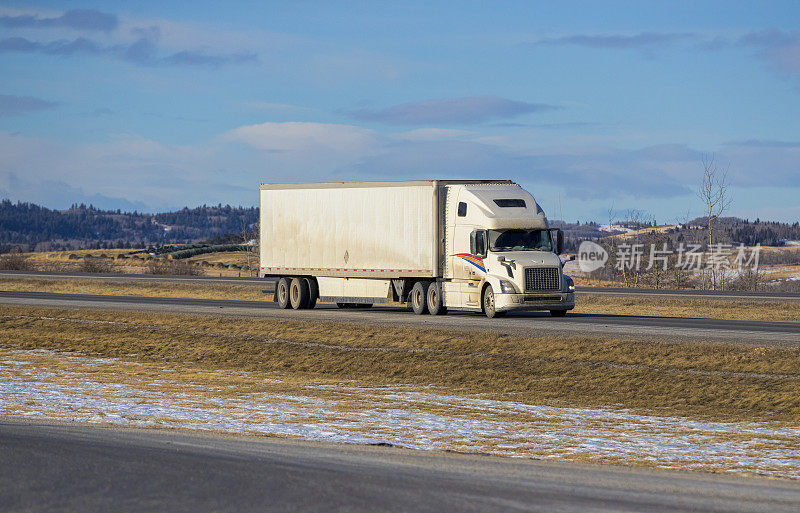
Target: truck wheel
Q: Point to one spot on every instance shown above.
(419, 297)
(282, 293)
(488, 303)
(558, 313)
(298, 293)
(313, 292)
(435, 306)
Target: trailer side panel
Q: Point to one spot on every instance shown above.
(350, 231)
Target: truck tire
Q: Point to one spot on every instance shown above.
(313, 292)
(488, 303)
(558, 313)
(298, 293)
(419, 297)
(435, 303)
(282, 293)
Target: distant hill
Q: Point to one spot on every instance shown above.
(35, 228)
(729, 230)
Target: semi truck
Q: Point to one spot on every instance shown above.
(432, 245)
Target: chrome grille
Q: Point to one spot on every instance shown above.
(542, 278)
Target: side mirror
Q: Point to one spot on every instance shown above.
(559, 239)
(477, 243)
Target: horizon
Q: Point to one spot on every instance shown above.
(617, 221)
(153, 107)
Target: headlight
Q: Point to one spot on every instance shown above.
(570, 284)
(506, 287)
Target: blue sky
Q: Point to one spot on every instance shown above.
(157, 105)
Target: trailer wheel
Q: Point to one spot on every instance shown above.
(313, 292)
(419, 297)
(435, 303)
(558, 313)
(298, 293)
(282, 293)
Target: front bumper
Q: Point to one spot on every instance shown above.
(539, 301)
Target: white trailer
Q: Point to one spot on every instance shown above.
(433, 245)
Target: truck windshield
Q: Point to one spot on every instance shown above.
(519, 240)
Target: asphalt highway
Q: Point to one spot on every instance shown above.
(269, 283)
(785, 334)
(73, 467)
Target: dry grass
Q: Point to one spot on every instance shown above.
(664, 228)
(153, 288)
(125, 262)
(180, 395)
(688, 307)
(780, 272)
(713, 381)
(225, 257)
(584, 281)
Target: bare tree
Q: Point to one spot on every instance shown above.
(250, 248)
(714, 193)
(681, 275)
(635, 219)
(612, 247)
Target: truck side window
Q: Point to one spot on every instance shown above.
(462, 209)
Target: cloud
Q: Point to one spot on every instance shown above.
(100, 111)
(77, 19)
(668, 153)
(226, 169)
(764, 143)
(280, 109)
(768, 37)
(549, 126)
(11, 105)
(618, 41)
(144, 171)
(456, 111)
(143, 51)
(762, 163)
(312, 149)
(190, 58)
(60, 194)
(598, 175)
(301, 136)
(779, 48)
(433, 134)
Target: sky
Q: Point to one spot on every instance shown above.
(591, 106)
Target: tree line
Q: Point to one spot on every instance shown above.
(32, 227)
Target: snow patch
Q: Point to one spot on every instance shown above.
(414, 417)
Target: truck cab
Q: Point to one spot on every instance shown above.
(501, 255)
